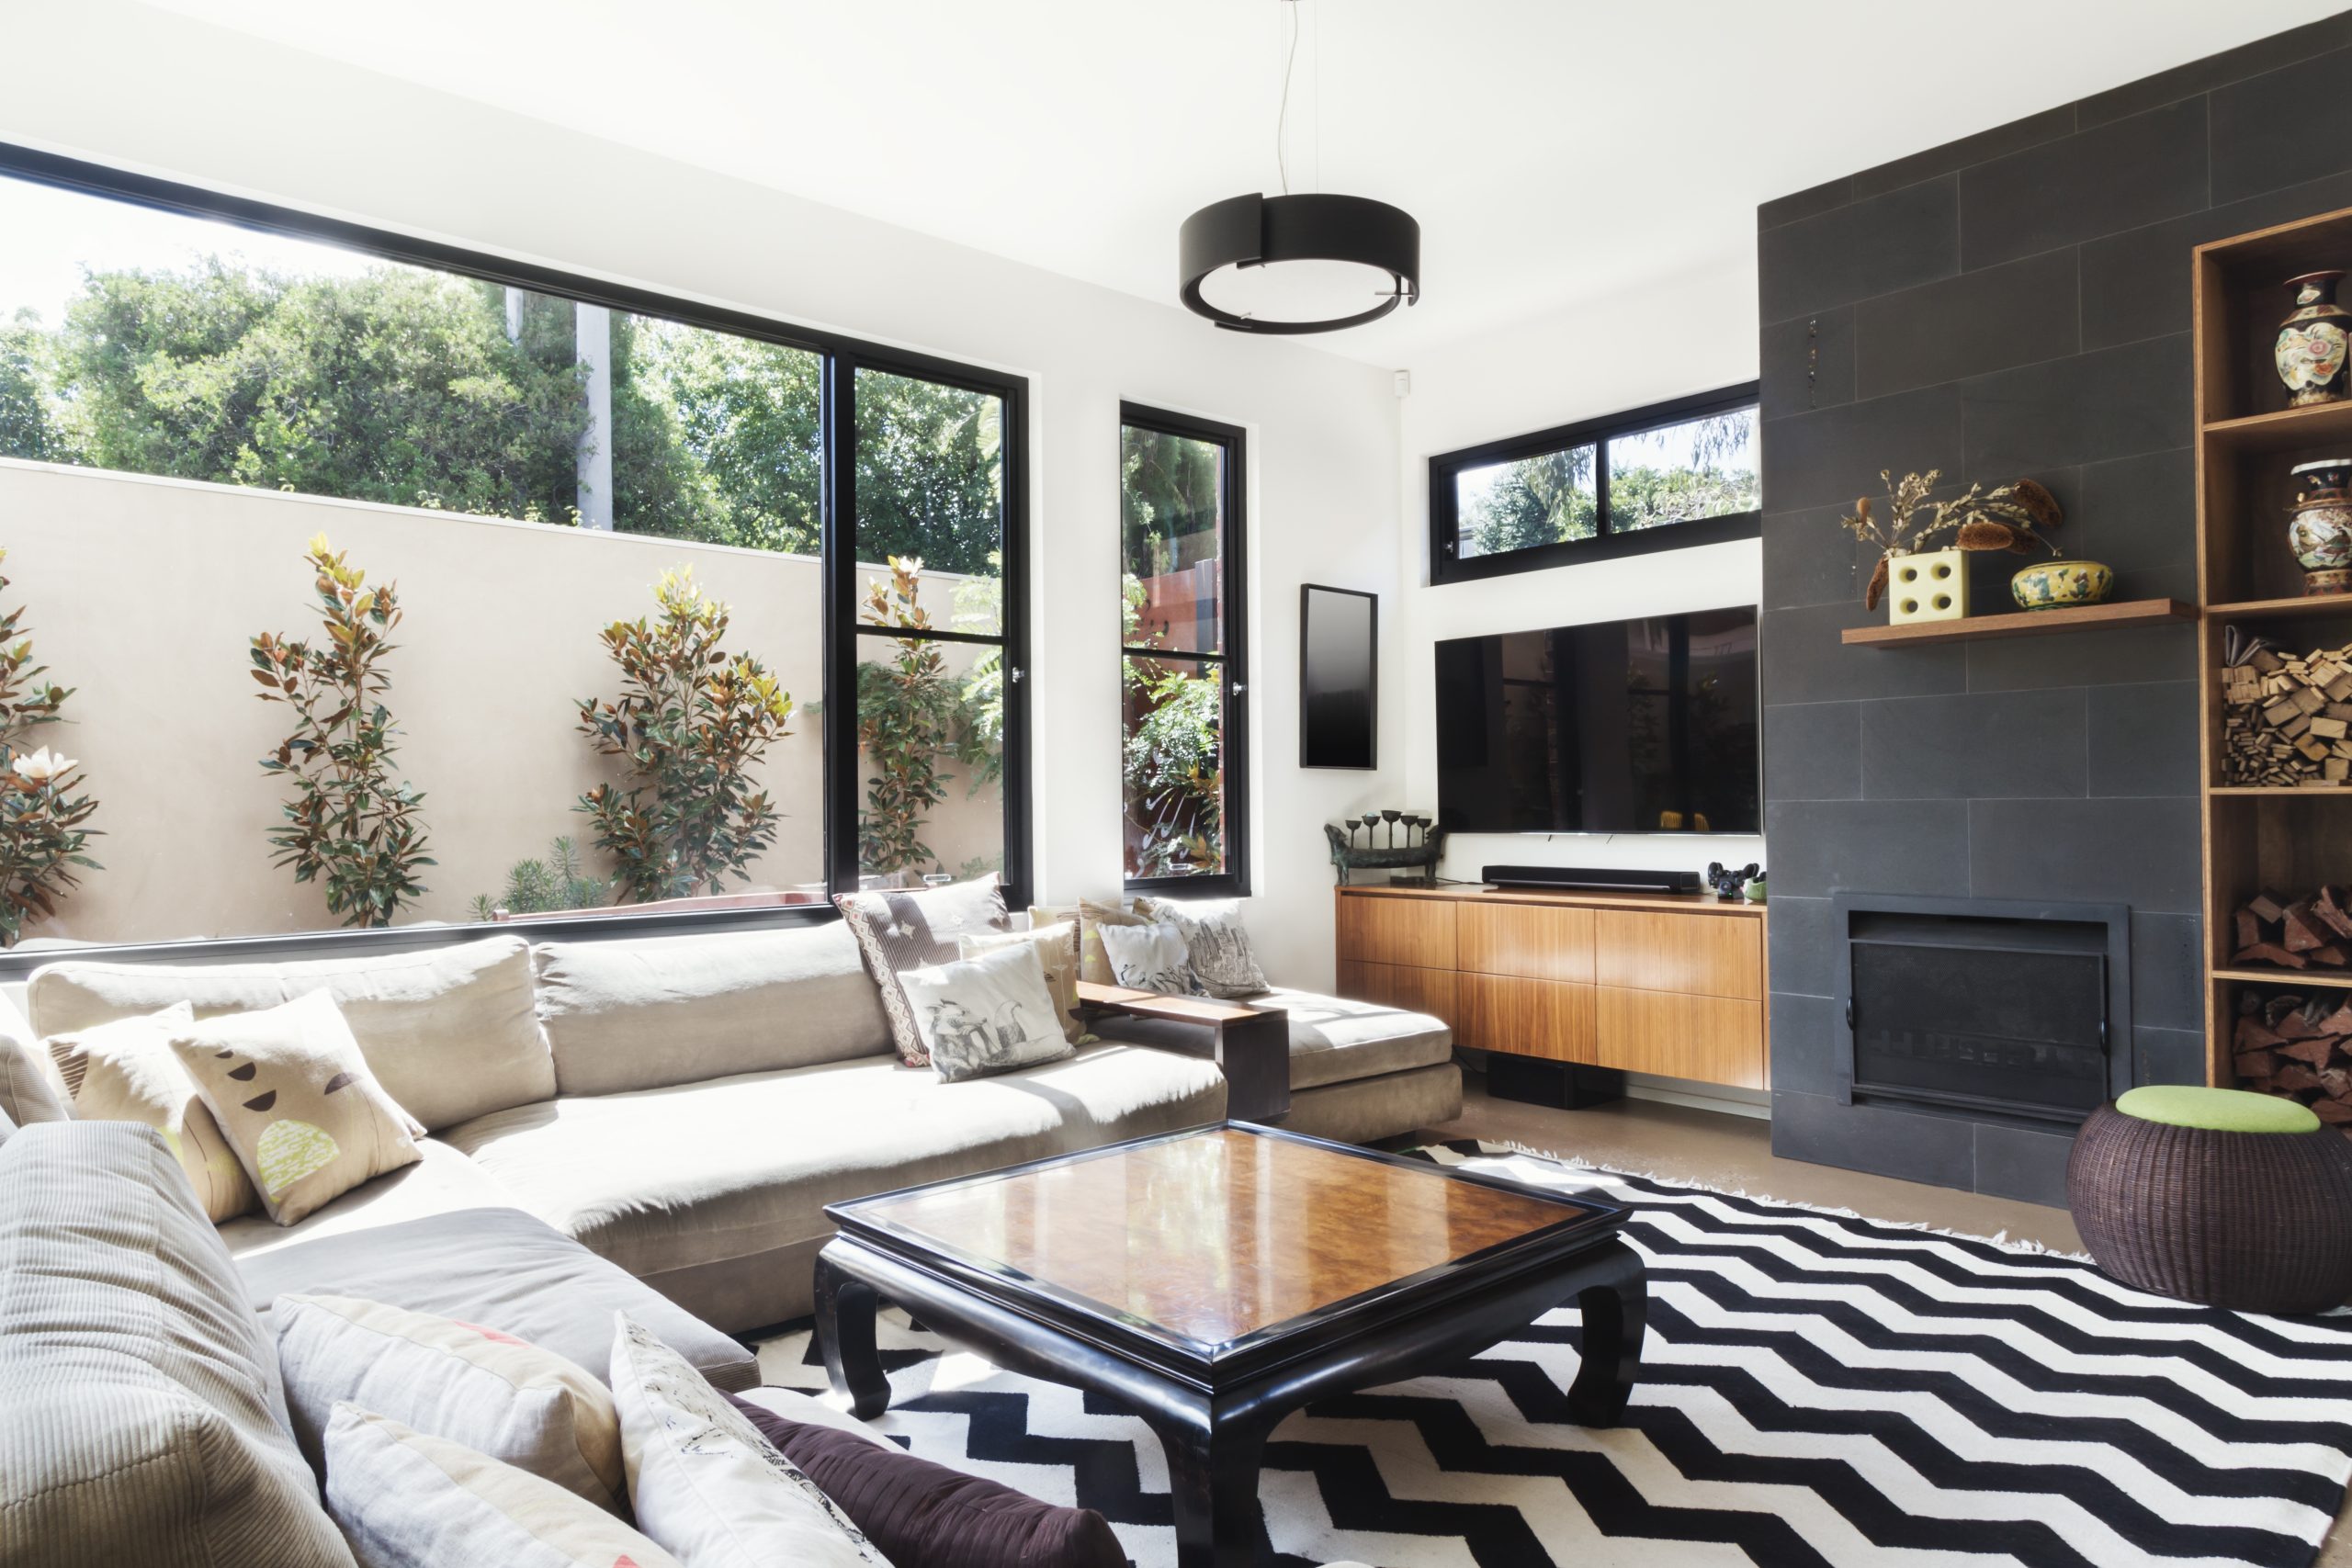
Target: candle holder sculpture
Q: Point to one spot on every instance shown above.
(1730, 881)
(1407, 863)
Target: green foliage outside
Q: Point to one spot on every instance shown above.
(401, 386)
(352, 822)
(1549, 499)
(540, 886)
(914, 717)
(44, 824)
(691, 725)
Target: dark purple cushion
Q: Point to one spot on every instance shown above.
(925, 1515)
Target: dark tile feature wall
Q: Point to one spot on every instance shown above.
(2014, 303)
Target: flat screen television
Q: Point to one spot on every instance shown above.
(1616, 726)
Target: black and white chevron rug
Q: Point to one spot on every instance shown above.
(1816, 1390)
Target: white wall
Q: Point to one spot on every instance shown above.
(1678, 336)
(147, 90)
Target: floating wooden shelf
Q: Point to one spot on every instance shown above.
(2287, 430)
(2282, 609)
(2330, 979)
(2023, 623)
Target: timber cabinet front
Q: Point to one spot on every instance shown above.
(1665, 984)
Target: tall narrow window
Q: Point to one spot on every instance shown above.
(932, 676)
(1183, 754)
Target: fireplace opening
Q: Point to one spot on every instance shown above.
(1995, 1008)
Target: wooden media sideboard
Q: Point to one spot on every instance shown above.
(1667, 984)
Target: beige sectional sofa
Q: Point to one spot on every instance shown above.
(685, 1105)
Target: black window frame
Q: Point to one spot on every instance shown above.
(1232, 659)
(843, 355)
(1445, 523)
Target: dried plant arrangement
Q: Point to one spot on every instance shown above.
(2014, 517)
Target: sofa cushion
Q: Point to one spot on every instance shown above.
(627, 1015)
(409, 1500)
(294, 1097)
(141, 1414)
(671, 1177)
(900, 928)
(125, 1071)
(705, 1484)
(499, 1267)
(449, 1031)
(1333, 1040)
(29, 1090)
(441, 1182)
(472, 1383)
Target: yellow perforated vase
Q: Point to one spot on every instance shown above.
(1929, 586)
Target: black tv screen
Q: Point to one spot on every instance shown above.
(1619, 727)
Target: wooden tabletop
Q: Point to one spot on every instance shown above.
(1156, 1004)
(1219, 1233)
(1681, 902)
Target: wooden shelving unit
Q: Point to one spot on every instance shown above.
(2256, 837)
(2022, 623)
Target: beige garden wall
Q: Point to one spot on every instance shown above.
(142, 594)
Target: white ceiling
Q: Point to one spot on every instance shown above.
(1555, 151)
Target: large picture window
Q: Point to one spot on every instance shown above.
(567, 603)
(1658, 477)
(1183, 666)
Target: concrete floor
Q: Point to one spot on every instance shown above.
(1735, 1153)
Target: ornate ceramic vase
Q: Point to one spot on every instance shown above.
(2310, 351)
(2054, 584)
(2319, 526)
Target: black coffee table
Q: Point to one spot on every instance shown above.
(1215, 1279)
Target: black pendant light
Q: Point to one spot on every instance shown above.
(1297, 263)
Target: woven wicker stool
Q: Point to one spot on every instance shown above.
(2218, 1196)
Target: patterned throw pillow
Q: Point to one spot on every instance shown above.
(477, 1387)
(1094, 964)
(294, 1099)
(406, 1500)
(988, 1014)
(1057, 948)
(1217, 942)
(125, 1071)
(1151, 958)
(901, 929)
(28, 1092)
(707, 1485)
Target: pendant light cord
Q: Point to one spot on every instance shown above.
(1282, 119)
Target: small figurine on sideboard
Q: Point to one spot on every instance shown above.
(1729, 882)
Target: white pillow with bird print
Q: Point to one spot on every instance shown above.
(987, 1014)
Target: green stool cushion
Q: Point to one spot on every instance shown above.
(2217, 1110)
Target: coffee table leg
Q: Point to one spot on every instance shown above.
(1613, 1295)
(1214, 1483)
(845, 1335)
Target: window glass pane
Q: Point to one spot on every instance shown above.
(1533, 500)
(1172, 519)
(476, 427)
(931, 759)
(1678, 473)
(1172, 762)
(931, 488)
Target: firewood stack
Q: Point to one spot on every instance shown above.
(2300, 1047)
(2288, 718)
(2304, 934)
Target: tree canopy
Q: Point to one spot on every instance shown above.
(1550, 498)
(403, 386)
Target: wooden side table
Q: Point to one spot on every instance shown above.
(1250, 1044)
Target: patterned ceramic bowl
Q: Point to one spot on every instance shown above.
(2053, 584)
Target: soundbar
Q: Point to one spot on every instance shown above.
(1588, 879)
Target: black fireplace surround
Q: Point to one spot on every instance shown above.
(1997, 1009)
